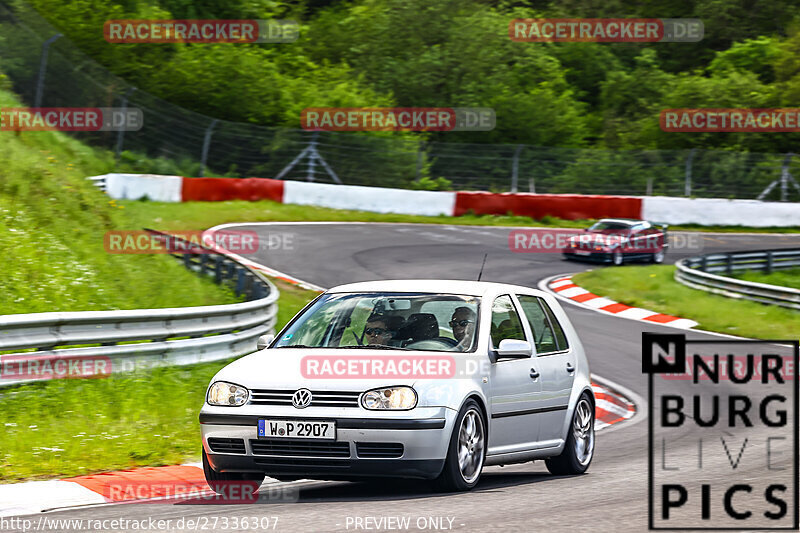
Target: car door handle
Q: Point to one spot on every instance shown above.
(570, 368)
(534, 373)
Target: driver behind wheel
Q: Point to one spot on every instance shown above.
(463, 324)
(377, 332)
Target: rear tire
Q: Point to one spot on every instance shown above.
(579, 448)
(616, 257)
(218, 481)
(466, 451)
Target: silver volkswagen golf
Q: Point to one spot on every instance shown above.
(429, 379)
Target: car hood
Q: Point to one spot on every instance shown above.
(292, 368)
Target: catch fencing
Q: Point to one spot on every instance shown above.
(46, 69)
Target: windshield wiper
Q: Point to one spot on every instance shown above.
(368, 347)
(296, 346)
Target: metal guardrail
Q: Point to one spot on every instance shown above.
(700, 273)
(146, 337)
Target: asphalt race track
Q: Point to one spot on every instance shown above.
(612, 496)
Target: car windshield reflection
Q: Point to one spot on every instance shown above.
(386, 321)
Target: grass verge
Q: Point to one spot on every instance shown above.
(52, 222)
(203, 215)
(73, 427)
(784, 278)
(653, 287)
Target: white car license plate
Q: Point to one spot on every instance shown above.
(297, 429)
(582, 252)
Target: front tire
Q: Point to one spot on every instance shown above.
(658, 257)
(466, 451)
(579, 448)
(220, 481)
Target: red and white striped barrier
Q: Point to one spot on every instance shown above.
(704, 211)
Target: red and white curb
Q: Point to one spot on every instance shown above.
(162, 484)
(564, 287)
(610, 407)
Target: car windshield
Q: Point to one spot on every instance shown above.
(390, 321)
(610, 226)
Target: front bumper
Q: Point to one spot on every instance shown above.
(593, 256)
(392, 444)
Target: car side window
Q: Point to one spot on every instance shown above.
(543, 336)
(561, 338)
(547, 332)
(506, 323)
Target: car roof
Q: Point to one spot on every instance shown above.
(443, 286)
(628, 221)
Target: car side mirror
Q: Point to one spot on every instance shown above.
(264, 341)
(515, 349)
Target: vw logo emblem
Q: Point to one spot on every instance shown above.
(302, 398)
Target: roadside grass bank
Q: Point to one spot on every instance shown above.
(52, 222)
(72, 427)
(653, 287)
(784, 278)
(203, 215)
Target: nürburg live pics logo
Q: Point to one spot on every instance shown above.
(723, 433)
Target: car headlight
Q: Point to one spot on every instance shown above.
(390, 398)
(227, 394)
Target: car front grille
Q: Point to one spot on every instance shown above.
(318, 398)
(222, 445)
(301, 448)
(286, 463)
(384, 450)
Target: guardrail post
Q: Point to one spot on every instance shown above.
(218, 269)
(248, 285)
(203, 258)
(704, 264)
(239, 281)
(187, 261)
(768, 265)
(728, 263)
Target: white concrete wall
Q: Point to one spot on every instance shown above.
(373, 199)
(137, 186)
(720, 212)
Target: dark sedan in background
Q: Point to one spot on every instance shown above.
(617, 240)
